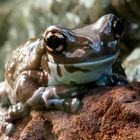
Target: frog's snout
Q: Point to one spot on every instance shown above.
(117, 28)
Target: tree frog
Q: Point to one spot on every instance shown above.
(53, 70)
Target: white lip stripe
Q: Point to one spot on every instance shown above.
(96, 62)
(88, 63)
(95, 70)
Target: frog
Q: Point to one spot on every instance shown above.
(54, 70)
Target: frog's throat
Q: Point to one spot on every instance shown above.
(80, 73)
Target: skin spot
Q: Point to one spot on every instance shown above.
(115, 23)
(10, 75)
(72, 69)
(45, 65)
(59, 72)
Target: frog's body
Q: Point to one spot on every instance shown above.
(50, 72)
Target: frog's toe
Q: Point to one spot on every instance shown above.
(119, 79)
(114, 79)
(16, 111)
(8, 128)
(72, 105)
(75, 105)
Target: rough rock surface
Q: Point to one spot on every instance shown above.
(107, 114)
(132, 65)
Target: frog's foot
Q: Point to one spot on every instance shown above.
(71, 105)
(7, 128)
(16, 111)
(114, 79)
(119, 79)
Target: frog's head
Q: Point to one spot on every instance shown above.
(88, 49)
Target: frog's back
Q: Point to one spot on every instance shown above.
(26, 57)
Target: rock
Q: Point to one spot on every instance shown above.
(107, 113)
(132, 65)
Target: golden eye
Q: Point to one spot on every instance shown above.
(59, 48)
(55, 42)
(48, 35)
(50, 49)
(58, 35)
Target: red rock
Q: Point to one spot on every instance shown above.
(107, 114)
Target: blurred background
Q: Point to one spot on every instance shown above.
(21, 20)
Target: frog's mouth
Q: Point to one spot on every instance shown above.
(83, 66)
(77, 61)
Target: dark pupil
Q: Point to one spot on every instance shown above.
(54, 41)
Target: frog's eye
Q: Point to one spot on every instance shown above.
(55, 42)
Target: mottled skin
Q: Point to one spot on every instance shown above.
(51, 71)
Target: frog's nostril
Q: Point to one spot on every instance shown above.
(117, 29)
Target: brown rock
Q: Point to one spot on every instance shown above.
(107, 114)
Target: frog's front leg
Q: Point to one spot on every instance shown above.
(26, 84)
(7, 128)
(114, 76)
(32, 91)
(57, 97)
(63, 97)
